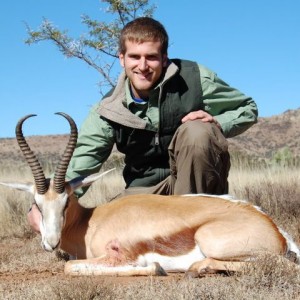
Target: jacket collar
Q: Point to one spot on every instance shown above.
(114, 109)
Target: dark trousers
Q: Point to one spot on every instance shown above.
(199, 162)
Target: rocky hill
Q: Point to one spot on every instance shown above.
(265, 138)
(270, 135)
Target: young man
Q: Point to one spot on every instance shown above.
(169, 117)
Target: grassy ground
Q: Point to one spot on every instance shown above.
(28, 272)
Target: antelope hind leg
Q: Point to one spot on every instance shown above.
(213, 266)
(94, 267)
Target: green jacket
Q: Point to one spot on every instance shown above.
(143, 131)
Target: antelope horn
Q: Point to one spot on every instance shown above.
(61, 170)
(37, 171)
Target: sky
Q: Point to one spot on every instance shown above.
(252, 45)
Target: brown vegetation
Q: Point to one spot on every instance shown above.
(28, 272)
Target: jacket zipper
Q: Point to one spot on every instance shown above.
(156, 139)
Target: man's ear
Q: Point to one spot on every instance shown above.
(121, 58)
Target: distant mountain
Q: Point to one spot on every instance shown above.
(268, 136)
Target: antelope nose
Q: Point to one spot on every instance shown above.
(50, 246)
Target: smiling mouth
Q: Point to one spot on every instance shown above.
(147, 76)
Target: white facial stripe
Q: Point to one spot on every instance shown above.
(52, 219)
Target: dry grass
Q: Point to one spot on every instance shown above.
(28, 272)
(275, 190)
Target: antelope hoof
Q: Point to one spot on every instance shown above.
(158, 270)
(191, 274)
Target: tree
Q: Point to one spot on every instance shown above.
(99, 46)
(283, 157)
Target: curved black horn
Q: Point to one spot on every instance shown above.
(61, 170)
(37, 171)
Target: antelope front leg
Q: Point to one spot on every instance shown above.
(96, 268)
(114, 263)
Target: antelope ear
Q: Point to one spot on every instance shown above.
(26, 187)
(82, 181)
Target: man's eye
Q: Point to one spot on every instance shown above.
(152, 57)
(134, 57)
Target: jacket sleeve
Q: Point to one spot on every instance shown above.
(94, 145)
(234, 111)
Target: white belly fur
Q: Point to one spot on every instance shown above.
(172, 263)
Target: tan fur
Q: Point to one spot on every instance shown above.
(171, 226)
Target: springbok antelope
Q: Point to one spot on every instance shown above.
(146, 234)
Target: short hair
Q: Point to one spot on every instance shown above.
(144, 29)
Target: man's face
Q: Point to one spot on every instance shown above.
(143, 64)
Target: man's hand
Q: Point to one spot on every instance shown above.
(202, 115)
(34, 218)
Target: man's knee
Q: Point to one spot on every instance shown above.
(198, 133)
(199, 159)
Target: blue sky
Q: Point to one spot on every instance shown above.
(252, 45)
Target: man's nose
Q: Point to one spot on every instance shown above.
(143, 64)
